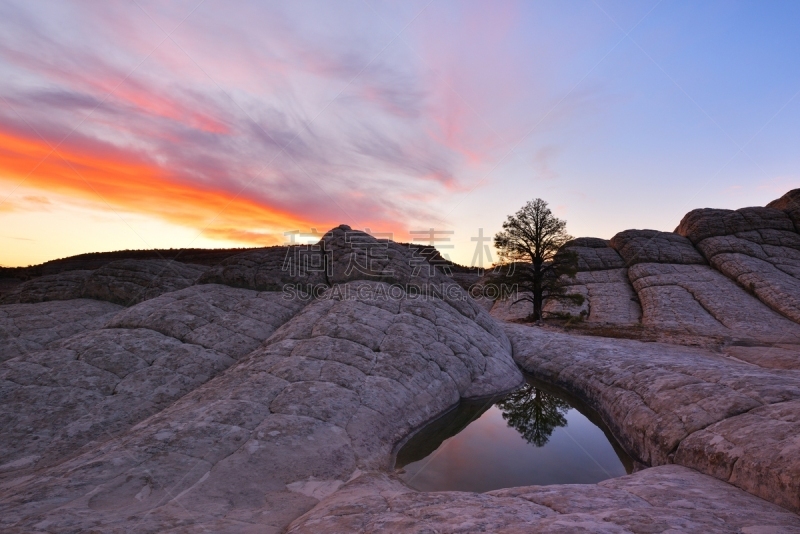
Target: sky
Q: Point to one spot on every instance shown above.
(141, 124)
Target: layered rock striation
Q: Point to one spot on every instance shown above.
(602, 281)
(678, 291)
(268, 391)
(314, 389)
(670, 404)
(661, 499)
(758, 248)
(124, 282)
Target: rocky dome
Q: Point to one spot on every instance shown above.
(268, 390)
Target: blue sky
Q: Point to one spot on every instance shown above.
(142, 124)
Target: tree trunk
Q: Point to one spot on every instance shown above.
(537, 290)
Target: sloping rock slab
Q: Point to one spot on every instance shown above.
(756, 247)
(124, 282)
(608, 298)
(63, 286)
(96, 384)
(129, 282)
(679, 292)
(603, 283)
(333, 390)
(772, 357)
(655, 397)
(652, 246)
(611, 297)
(25, 328)
(514, 308)
(91, 387)
(757, 451)
(228, 320)
(271, 269)
(594, 254)
(661, 499)
(790, 204)
(701, 224)
(342, 255)
(774, 287)
(700, 300)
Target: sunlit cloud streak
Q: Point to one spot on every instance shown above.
(180, 148)
(243, 123)
(243, 129)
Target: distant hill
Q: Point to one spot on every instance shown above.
(95, 260)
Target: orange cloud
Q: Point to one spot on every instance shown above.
(123, 181)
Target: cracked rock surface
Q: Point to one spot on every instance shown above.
(652, 246)
(602, 280)
(232, 321)
(514, 308)
(26, 328)
(758, 248)
(124, 282)
(678, 404)
(269, 392)
(270, 268)
(679, 292)
(698, 299)
(102, 381)
(790, 204)
(661, 499)
(331, 391)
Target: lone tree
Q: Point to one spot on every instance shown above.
(534, 413)
(530, 257)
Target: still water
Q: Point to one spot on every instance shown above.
(534, 436)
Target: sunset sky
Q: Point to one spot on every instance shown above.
(141, 124)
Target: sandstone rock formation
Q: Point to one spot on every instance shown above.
(756, 247)
(329, 392)
(789, 203)
(661, 499)
(679, 292)
(690, 406)
(95, 260)
(104, 380)
(25, 328)
(268, 392)
(124, 282)
(271, 268)
(515, 308)
(602, 280)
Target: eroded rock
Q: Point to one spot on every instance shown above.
(221, 407)
(331, 391)
(231, 321)
(661, 399)
(698, 299)
(124, 282)
(128, 282)
(62, 286)
(662, 499)
(678, 292)
(93, 385)
(789, 203)
(90, 388)
(652, 246)
(25, 328)
(602, 281)
(594, 254)
(756, 247)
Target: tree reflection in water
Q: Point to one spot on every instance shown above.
(534, 413)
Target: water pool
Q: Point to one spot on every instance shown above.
(534, 436)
